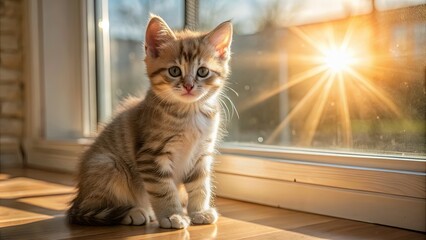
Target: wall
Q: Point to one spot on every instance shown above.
(11, 81)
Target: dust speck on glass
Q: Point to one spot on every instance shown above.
(348, 77)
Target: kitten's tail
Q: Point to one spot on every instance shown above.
(99, 216)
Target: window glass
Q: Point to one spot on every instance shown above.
(347, 77)
(127, 23)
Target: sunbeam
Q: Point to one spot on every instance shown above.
(314, 117)
(395, 70)
(299, 106)
(380, 95)
(293, 81)
(347, 37)
(306, 39)
(344, 112)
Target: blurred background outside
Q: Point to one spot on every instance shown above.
(323, 74)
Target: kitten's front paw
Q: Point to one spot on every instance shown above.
(137, 216)
(176, 221)
(204, 217)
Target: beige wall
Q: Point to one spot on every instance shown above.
(11, 80)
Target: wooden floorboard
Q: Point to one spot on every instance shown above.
(33, 205)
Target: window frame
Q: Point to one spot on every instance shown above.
(244, 172)
(40, 151)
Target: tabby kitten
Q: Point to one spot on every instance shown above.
(132, 172)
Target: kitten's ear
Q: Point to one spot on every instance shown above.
(221, 38)
(157, 33)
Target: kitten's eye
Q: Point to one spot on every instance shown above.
(203, 72)
(175, 71)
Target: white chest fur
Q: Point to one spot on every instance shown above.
(192, 143)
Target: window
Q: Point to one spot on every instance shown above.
(349, 77)
(121, 33)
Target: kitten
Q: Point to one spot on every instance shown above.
(132, 172)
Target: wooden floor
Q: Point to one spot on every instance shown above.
(33, 203)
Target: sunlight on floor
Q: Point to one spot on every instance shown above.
(13, 201)
(26, 187)
(58, 203)
(27, 203)
(19, 217)
(4, 176)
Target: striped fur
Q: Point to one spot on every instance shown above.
(133, 171)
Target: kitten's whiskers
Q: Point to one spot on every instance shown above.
(224, 107)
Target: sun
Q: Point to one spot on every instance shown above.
(337, 59)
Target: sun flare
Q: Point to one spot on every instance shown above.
(338, 67)
(338, 59)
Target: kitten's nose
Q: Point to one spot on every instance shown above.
(188, 87)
